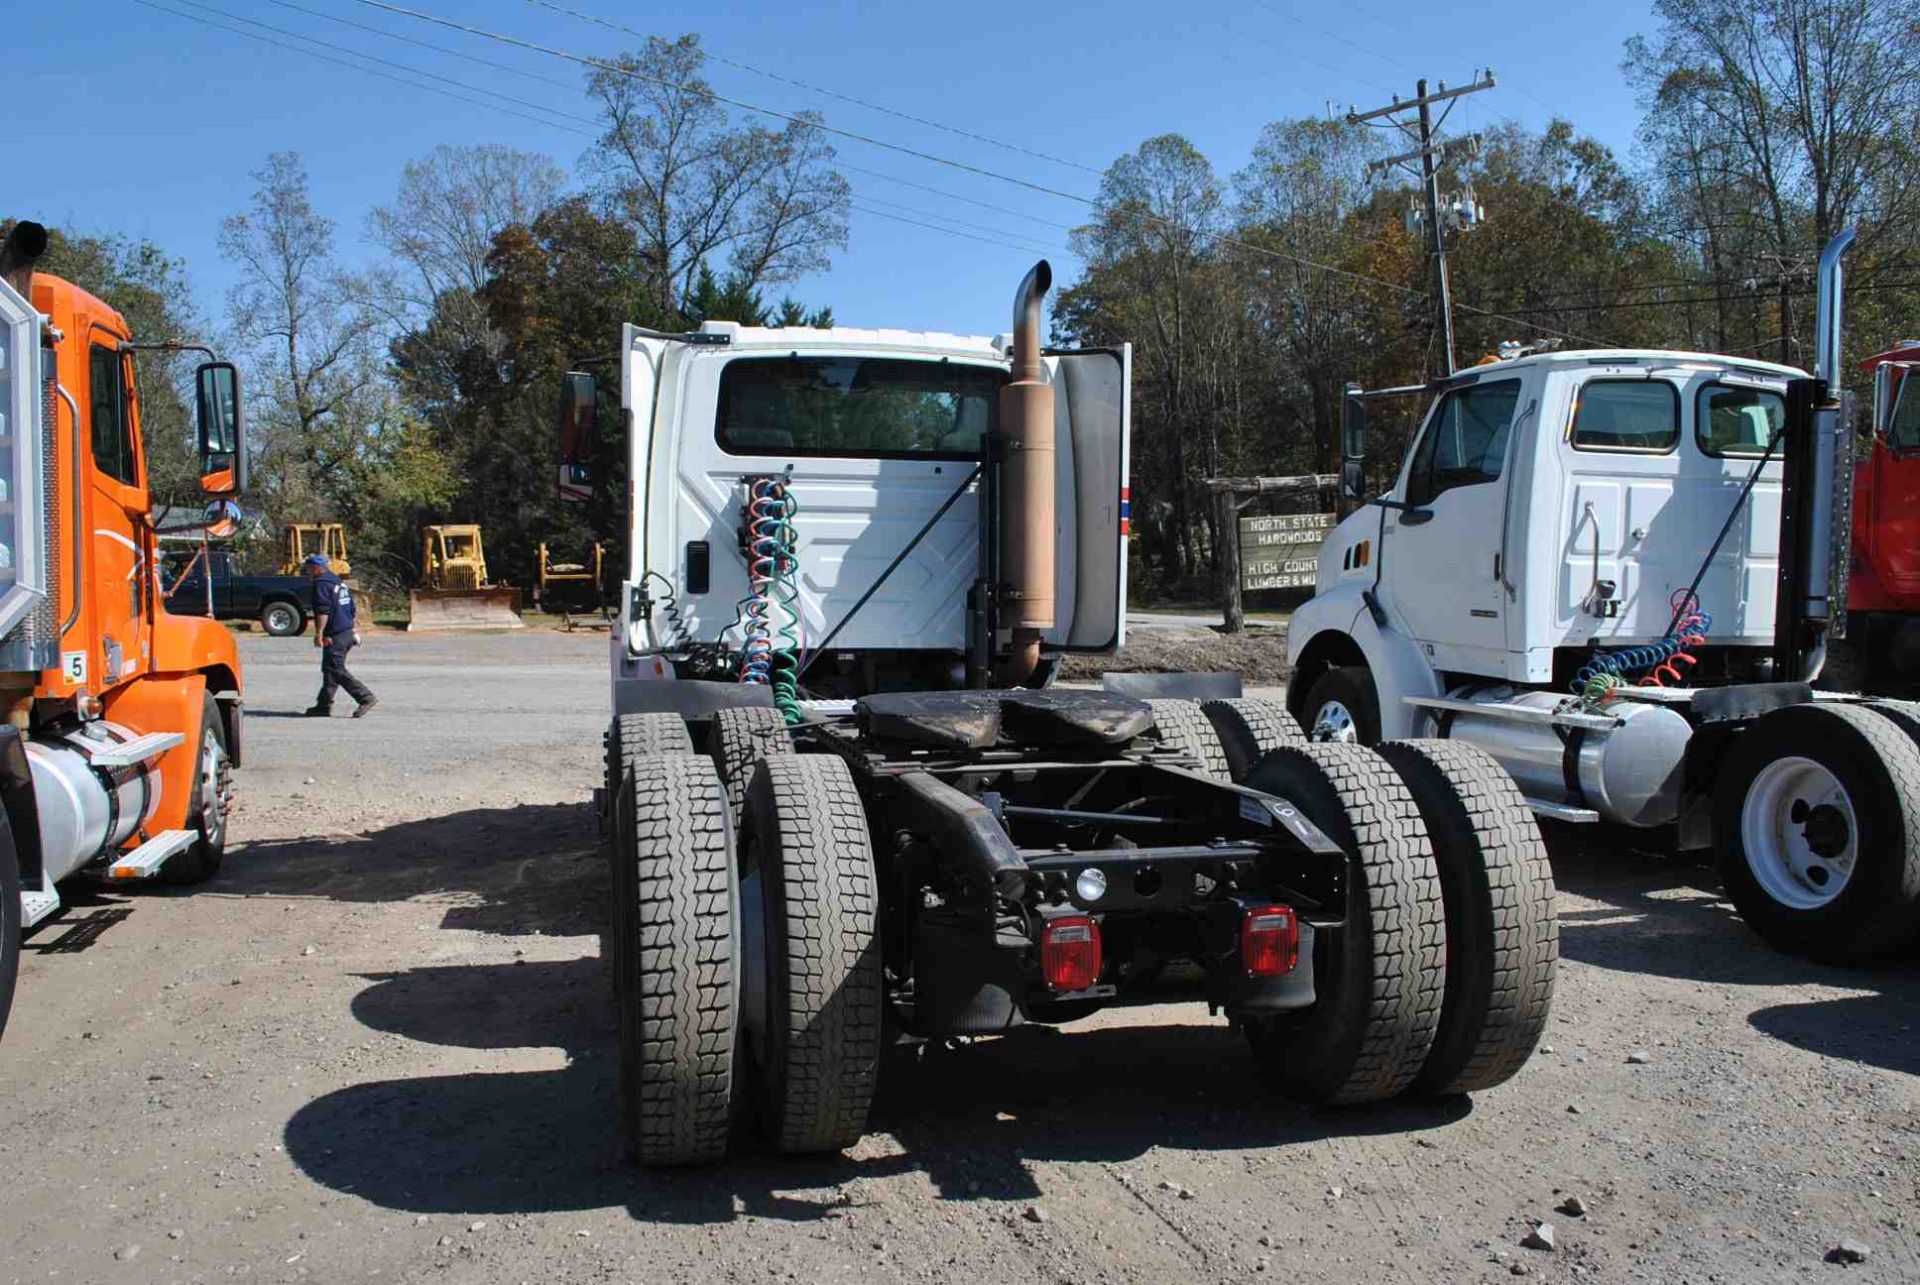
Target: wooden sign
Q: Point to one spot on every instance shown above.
(1283, 550)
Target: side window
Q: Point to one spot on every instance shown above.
(1466, 440)
(1729, 420)
(112, 442)
(1903, 433)
(1627, 415)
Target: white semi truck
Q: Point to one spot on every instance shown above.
(1616, 572)
(843, 805)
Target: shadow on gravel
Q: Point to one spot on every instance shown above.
(507, 870)
(1665, 916)
(529, 1141)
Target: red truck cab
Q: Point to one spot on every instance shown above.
(1883, 600)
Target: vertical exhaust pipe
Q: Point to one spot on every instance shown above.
(1827, 546)
(24, 244)
(1815, 514)
(1027, 475)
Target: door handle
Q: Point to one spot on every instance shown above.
(1414, 517)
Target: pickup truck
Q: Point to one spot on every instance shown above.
(281, 604)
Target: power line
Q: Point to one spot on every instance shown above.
(813, 122)
(411, 84)
(830, 93)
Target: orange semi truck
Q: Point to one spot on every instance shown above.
(120, 725)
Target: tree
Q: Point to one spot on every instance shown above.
(1772, 126)
(694, 189)
(324, 418)
(450, 206)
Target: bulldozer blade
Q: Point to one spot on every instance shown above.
(496, 608)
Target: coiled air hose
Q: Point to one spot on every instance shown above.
(1607, 671)
(770, 649)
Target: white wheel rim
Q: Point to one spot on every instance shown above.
(1798, 829)
(1334, 722)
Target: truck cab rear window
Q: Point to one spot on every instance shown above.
(1627, 415)
(1730, 419)
(856, 407)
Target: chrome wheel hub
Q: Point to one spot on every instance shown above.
(1334, 722)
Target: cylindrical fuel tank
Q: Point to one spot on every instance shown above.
(1630, 774)
(87, 811)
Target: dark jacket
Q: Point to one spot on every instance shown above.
(333, 606)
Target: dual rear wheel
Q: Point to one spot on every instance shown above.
(1441, 978)
(746, 966)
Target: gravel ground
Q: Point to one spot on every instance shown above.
(378, 1048)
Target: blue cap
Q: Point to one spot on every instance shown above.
(317, 560)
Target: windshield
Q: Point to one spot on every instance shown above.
(856, 406)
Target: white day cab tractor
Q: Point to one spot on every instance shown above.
(1617, 574)
(121, 722)
(845, 807)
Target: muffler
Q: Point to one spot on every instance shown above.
(1027, 486)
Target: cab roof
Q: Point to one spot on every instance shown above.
(1632, 356)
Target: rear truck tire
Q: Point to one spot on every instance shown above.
(1185, 726)
(741, 737)
(1248, 729)
(12, 921)
(1816, 830)
(1342, 705)
(629, 739)
(212, 801)
(678, 985)
(1381, 979)
(1503, 938)
(282, 619)
(805, 833)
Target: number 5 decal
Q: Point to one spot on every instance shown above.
(74, 665)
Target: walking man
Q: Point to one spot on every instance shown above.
(334, 634)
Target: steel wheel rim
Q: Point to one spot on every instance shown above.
(216, 790)
(1334, 722)
(279, 618)
(1799, 832)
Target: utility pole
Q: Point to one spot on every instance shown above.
(1462, 211)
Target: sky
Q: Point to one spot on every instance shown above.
(129, 118)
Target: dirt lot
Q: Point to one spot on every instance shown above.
(378, 1048)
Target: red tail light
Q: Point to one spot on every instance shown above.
(1070, 953)
(1269, 941)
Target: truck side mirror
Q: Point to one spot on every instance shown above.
(1353, 443)
(217, 417)
(578, 390)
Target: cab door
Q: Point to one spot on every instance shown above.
(1893, 529)
(118, 572)
(1441, 550)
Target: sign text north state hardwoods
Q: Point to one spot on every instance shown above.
(1280, 552)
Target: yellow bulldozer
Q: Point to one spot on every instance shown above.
(307, 538)
(455, 591)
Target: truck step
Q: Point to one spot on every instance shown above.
(147, 859)
(1563, 812)
(138, 750)
(37, 903)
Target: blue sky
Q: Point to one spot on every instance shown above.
(127, 119)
